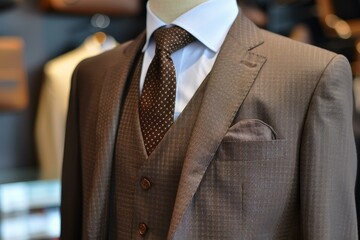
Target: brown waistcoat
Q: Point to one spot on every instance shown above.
(153, 203)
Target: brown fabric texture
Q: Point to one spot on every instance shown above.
(299, 185)
(152, 205)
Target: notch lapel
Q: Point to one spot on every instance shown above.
(231, 78)
(110, 102)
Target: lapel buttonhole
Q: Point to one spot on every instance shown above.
(248, 64)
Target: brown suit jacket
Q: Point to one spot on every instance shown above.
(272, 154)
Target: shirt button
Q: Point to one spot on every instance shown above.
(143, 228)
(145, 183)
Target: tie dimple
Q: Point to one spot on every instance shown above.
(157, 101)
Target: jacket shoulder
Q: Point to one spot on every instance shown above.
(105, 59)
(292, 48)
(91, 71)
(285, 54)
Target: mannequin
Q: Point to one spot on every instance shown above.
(51, 116)
(169, 10)
(218, 173)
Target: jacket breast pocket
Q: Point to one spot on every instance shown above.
(251, 140)
(250, 130)
(262, 175)
(255, 170)
(253, 150)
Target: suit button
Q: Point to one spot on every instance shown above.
(145, 183)
(143, 228)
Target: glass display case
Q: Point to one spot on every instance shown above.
(30, 210)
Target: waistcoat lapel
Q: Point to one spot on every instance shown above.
(96, 213)
(230, 81)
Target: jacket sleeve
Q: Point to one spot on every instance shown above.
(328, 158)
(71, 196)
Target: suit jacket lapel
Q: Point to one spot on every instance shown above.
(230, 81)
(107, 123)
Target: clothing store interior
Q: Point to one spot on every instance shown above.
(41, 43)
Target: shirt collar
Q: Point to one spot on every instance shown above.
(209, 22)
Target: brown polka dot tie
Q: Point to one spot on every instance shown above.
(157, 101)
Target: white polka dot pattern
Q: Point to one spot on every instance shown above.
(157, 102)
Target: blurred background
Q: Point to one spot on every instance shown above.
(41, 42)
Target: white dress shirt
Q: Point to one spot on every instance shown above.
(209, 23)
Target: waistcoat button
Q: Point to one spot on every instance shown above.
(143, 228)
(145, 183)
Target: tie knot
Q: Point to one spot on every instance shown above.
(172, 39)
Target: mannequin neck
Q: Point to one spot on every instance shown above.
(169, 10)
